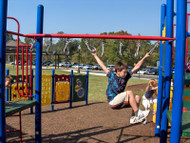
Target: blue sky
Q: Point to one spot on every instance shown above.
(88, 16)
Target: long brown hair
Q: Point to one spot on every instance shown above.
(151, 83)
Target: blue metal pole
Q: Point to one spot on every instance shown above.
(160, 81)
(52, 89)
(3, 23)
(86, 95)
(38, 75)
(71, 92)
(167, 72)
(179, 71)
(7, 90)
(31, 109)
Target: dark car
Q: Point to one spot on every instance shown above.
(153, 71)
(111, 67)
(95, 67)
(46, 63)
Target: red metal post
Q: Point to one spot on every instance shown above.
(22, 70)
(30, 71)
(26, 71)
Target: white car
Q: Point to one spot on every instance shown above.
(12, 63)
(96, 67)
(53, 64)
(62, 64)
(81, 66)
(142, 71)
(88, 66)
(75, 65)
(78, 66)
(111, 67)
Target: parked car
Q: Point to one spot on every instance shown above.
(62, 64)
(12, 63)
(88, 66)
(68, 64)
(111, 67)
(46, 63)
(95, 67)
(81, 66)
(75, 65)
(148, 69)
(152, 72)
(99, 68)
(53, 64)
(78, 66)
(142, 71)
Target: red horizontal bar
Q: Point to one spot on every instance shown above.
(94, 36)
(99, 36)
(14, 33)
(12, 131)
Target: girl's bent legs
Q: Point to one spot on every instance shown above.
(138, 100)
(146, 102)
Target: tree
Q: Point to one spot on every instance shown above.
(111, 50)
(28, 41)
(9, 37)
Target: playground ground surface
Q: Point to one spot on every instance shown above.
(92, 123)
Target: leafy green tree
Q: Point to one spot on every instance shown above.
(111, 50)
(70, 49)
(29, 41)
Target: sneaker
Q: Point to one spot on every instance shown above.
(145, 121)
(141, 116)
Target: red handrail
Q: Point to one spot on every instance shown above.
(17, 59)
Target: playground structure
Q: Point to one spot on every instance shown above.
(56, 89)
(181, 35)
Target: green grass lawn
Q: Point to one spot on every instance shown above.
(98, 85)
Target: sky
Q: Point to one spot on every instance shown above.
(88, 16)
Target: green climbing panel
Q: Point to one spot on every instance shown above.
(185, 122)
